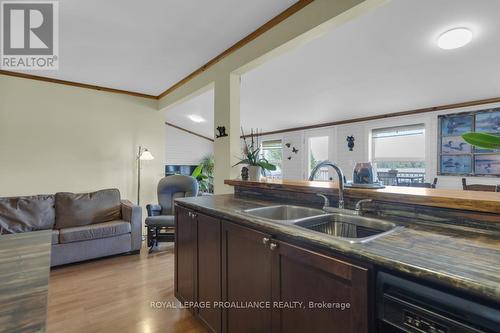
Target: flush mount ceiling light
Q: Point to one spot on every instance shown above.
(454, 38)
(196, 118)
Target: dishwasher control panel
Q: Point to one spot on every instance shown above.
(422, 324)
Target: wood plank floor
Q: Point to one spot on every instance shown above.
(114, 295)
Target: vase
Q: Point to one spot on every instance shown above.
(365, 173)
(254, 173)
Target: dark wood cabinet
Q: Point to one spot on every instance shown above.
(331, 294)
(265, 284)
(246, 272)
(209, 287)
(185, 255)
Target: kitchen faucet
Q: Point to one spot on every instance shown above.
(340, 175)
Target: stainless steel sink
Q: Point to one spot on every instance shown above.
(341, 225)
(354, 229)
(285, 213)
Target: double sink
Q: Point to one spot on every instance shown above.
(342, 224)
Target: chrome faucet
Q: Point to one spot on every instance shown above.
(359, 207)
(339, 173)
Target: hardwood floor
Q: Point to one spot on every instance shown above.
(115, 295)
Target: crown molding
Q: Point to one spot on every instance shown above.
(76, 84)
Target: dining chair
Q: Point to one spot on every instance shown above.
(425, 185)
(479, 187)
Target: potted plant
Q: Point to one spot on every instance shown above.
(252, 158)
(204, 174)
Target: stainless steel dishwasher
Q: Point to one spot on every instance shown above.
(407, 306)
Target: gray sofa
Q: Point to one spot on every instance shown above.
(84, 226)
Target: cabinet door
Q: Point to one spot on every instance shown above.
(306, 276)
(185, 254)
(209, 271)
(246, 277)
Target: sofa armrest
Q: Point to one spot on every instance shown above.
(133, 214)
(153, 210)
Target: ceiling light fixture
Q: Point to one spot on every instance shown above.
(196, 118)
(454, 38)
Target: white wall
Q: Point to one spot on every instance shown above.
(184, 148)
(339, 152)
(60, 138)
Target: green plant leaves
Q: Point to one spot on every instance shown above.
(198, 171)
(482, 140)
(251, 154)
(264, 164)
(245, 161)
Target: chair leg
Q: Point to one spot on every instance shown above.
(151, 238)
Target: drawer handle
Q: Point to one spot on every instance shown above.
(265, 240)
(273, 246)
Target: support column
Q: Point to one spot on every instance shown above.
(226, 113)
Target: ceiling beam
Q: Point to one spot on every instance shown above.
(261, 30)
(188, 131)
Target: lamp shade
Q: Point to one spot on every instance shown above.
(146, 156)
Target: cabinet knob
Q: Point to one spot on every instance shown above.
(190, 214)
(273, 246)
(265, 240)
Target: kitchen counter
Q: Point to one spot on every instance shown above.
(477, 201)
(459, 258)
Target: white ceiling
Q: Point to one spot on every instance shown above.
(147, 46)
(201, 105)
(385, 61)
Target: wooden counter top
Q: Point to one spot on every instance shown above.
(456, 199)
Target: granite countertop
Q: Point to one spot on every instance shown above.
(464, 259)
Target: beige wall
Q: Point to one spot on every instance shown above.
(60, 138)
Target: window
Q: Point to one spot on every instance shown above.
(400, 148)
(318, 152)
(272, 151)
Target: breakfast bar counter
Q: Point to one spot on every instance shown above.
(443, 198)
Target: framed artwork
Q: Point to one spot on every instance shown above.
(453, 126)
(459, 164)
(457, 157)
(454, 145)
(486, 164)
(488, 122)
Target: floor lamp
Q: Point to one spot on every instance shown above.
(142, 155)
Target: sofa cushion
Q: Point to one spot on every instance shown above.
(29, 213)
(94, 231)
(55, 236)
(73, 210)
